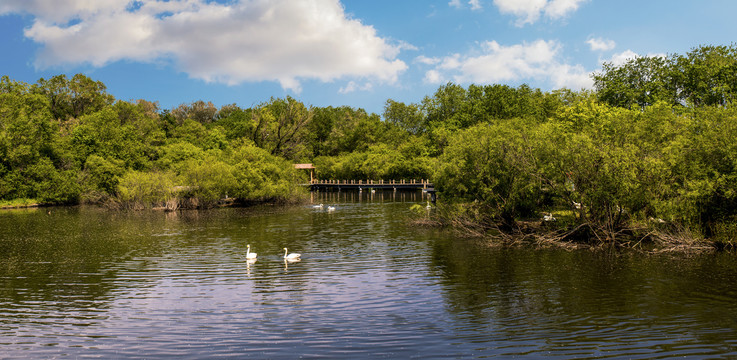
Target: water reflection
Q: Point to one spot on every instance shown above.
(590, 304)
(81, 281)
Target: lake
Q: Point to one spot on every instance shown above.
(86, 282)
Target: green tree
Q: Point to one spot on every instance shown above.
(237, 122)
(638, 83)
(707, 75)
(407, 117)
(199, 111)
(75, 97)
(280, 126)
(103, 134)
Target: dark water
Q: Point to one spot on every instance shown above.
(84, 282)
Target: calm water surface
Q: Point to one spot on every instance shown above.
(85, 282)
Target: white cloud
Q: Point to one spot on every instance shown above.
(474, 4)
(530, 11)
(573, 77)
(621, 58)
(556, 9)
(455, 3)
(601, 44)
(353, 86)
(433, 77)
(233, 42)
(56, 11)
(494, 63)
(422, 59)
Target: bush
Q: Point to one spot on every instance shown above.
(143, 190)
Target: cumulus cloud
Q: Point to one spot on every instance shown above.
(433, 77)
(232, 42)
(61, 11)
(495, 63)
(600, 44)
(530, 11)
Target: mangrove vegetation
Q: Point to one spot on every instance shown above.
(648, 156)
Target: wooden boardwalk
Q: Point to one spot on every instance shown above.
(371, 184)
(360, 185)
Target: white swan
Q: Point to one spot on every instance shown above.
(292, 256)
(318, 206)
(331, 208)
(249, 254)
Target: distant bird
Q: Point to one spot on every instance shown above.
(331, 208)
(548, 217)
(249, 254)
(428, 207)
(292, 256)
(318, 206)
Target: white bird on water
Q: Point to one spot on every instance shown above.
(331, 208)
(318, 206)
(249, 254)
(292, 256)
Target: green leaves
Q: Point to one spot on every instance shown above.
(706, 76)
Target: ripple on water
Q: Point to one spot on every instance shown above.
(178, 286)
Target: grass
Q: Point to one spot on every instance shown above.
(18, 203)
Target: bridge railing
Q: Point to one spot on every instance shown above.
(424, 183)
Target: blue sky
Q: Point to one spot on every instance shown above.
(333, 53)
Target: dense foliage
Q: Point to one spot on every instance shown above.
(68, 141)
(653, 149)
(651, 152)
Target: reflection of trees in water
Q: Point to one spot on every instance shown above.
(63, 258)
(526, 290)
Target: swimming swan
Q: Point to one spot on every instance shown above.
(331, 208)
(292, 256)
(318, 206)
(249, 254)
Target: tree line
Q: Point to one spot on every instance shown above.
(650, 150)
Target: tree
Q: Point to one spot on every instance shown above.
(73, 98)
(280, 125)
(707, 75)
(704, 76)
(407, 117)
(640, 82)
(484, 166)
(237, 122)
(199, 111)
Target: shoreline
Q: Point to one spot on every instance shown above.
(541, 235)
